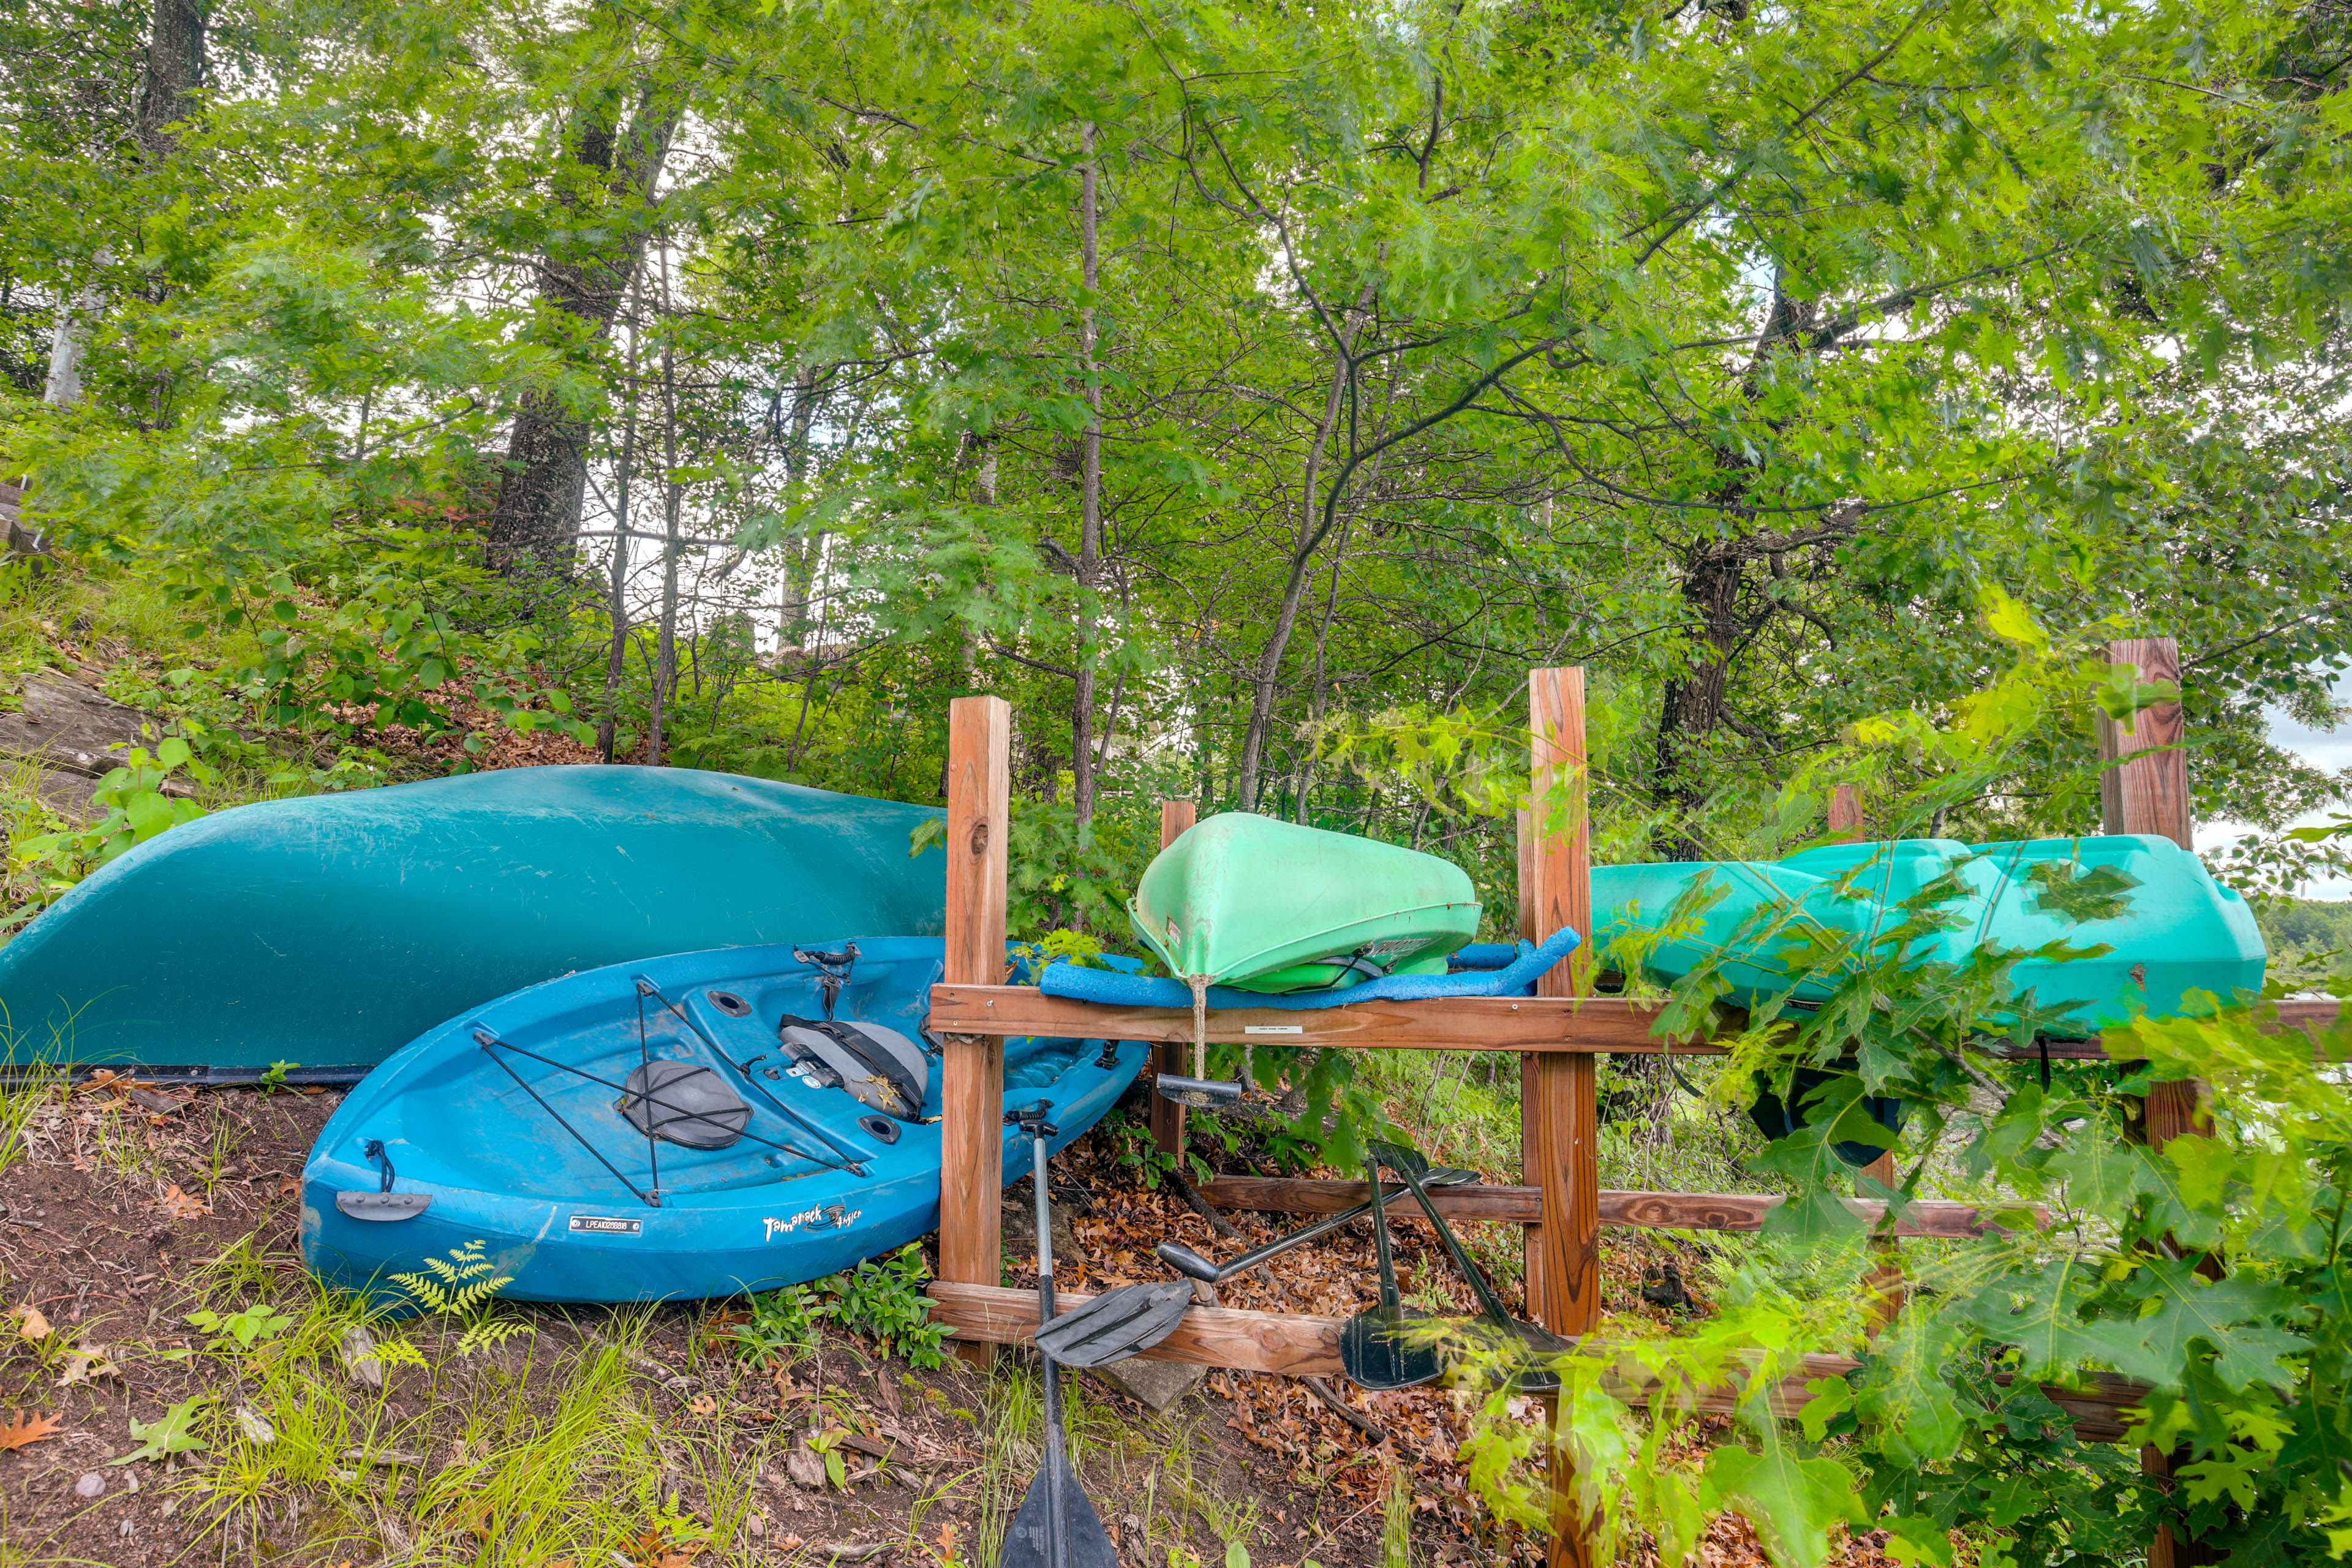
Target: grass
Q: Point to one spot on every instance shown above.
(1116, 1455)
(20, 1099)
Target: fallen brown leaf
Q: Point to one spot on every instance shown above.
(703, 1405)
(86, 1361)
(21, 1432)
(30, 1324)
(180, 1205)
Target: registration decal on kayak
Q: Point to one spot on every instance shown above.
(607, 1225)
(834, 1217)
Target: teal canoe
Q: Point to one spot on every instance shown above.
(2178, 931)
(1248, 902)
(329, 931)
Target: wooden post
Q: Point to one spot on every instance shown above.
(1558, 1123)
(971, 1092)
(1176, 818)
(2146, 791)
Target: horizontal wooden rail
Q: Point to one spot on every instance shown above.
(1523, 1205)
(1613, 1025)
(1297, 1344)
(1449, 1023)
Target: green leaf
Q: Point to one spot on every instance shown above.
(2226, 1314)
(2044, 1321)
(174, 1434)
(1792, 1501)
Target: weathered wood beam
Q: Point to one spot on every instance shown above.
(1596, 1023)
(1448, 1024)
(1644, 1210)
(1295, 1344)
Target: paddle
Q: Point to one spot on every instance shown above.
(1184, 1260)
(1134, 1317)
(1058, 1526)
(1534, 1341)
(1371, 1353)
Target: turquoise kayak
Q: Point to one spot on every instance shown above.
(2177, 930)
(697, 1125)
(329, 931)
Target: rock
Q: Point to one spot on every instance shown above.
(1021, 1235)
(806, 1467)
(89, 1486)
(255, 1426)
(360, 1364)
(1155, 1385)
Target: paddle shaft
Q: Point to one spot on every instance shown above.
(1391, 1301)
(1453, 1248)
(1056, 1457)
(1282, 1244)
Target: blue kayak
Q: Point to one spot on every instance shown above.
(697, 1125)
(329, 931)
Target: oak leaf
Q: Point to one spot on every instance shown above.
(181, 1205)
(21, 1431)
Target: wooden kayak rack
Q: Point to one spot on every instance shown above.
(1558, 1035)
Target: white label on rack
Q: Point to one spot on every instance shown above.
(1274, 1028)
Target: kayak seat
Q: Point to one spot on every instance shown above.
(683, 1104)
(878, 1066)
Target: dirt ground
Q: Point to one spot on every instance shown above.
(128, 1209)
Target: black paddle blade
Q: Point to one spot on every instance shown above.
(1200, 1093)
(1029, 1544)
(1374, 1356)
(1117, 1324)
(1527, 1350)
(1400, 1159)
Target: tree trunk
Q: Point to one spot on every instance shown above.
(1264, 678)
(1714, 579)
(615, 659)
(168, 79)
(1322, 676)
(536, 518)
(673, 499)
(1082, 704)
(174, 70)
(800, 567)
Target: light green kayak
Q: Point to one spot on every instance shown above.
(1248, 902)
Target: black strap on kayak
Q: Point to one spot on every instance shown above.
(485, 1039)
(1353, 964)
(848, 1159)
(871, 1054)
(375, 1150)
(492, 1045)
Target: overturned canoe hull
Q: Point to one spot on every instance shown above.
(525, 1145)
(331, 930)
